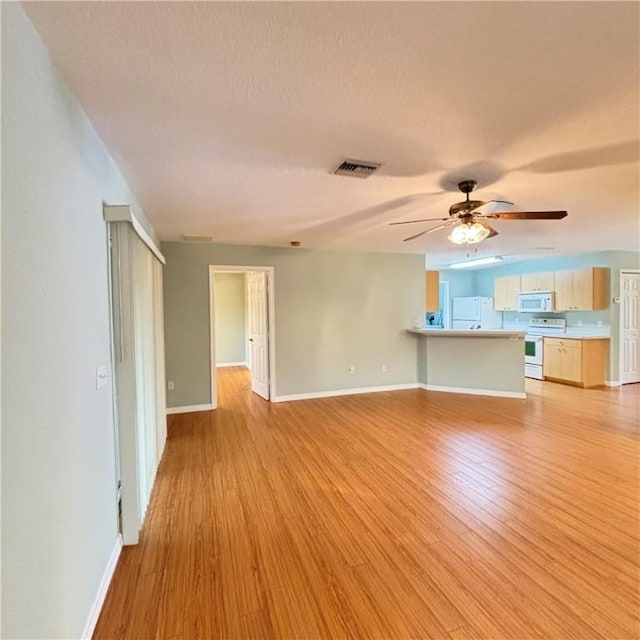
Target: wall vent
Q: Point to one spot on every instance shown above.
(356, 168)
(197, 238)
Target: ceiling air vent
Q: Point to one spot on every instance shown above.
(197, 238)
(357, 168)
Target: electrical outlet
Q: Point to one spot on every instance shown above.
(352, 369)
(579, 323)
(170, 385)
(599, 323)
(384, 368)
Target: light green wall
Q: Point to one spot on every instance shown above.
(480, 283)
(59, 516)
(333, 309)
(461, 284)
(229, 295)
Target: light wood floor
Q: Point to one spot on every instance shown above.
(409, 514)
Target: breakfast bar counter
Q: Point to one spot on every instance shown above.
(469, 333)
(479, 362)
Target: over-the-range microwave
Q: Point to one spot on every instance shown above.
(535, 301)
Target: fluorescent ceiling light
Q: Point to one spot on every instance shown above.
(475, 263)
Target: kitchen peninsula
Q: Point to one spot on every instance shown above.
(480, 362)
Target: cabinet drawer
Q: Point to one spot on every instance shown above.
(566, 343)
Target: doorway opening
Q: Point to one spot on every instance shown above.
(242, 325)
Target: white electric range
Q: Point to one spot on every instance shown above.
(533, 345)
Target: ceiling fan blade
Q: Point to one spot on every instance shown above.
(417, 235)
(526, 215)
(484, 204)
(492, 232)
(425, 220)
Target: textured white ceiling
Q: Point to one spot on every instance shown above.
(227, 118)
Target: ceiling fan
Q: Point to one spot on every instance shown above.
(470, 225)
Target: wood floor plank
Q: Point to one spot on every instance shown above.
(395, 515)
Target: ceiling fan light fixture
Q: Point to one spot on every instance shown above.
(458, 234)
(468, 233)
(477, 232)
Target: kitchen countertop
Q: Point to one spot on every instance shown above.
(469, 333)
(579, 336)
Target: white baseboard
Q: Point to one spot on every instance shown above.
(232, 364)
(612, 383)
(189, 408)
(344, 392)
(474, 392)
(98, 601)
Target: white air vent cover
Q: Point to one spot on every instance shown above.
(356, 168)
(197, 238)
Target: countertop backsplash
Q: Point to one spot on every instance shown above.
(573, 329)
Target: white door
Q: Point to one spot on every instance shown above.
(629, 328)
(258, 332)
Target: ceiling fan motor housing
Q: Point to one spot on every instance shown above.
(464, 206)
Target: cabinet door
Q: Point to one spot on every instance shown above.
(552, 361)
(564, 290)
(431, 290)
(582, 290)
(500, 294)
(505, 293)
(537, 281)
(590, 288)
(572, 362)
(513, 289)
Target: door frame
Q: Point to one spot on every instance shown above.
(271, 326)
(620, 324)
(446, 310)
(110, 228)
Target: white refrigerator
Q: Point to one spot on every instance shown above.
(475, 313)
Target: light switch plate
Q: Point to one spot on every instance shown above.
(102, 375)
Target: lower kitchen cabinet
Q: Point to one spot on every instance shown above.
(576, 361)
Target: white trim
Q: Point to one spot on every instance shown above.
(344, 392)
(271, 310)
(474, 392)
(212, 339)
(612, 383)
(124, 213)
(446, 310)
(98, 601)
(191, 408)
(231, 364)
